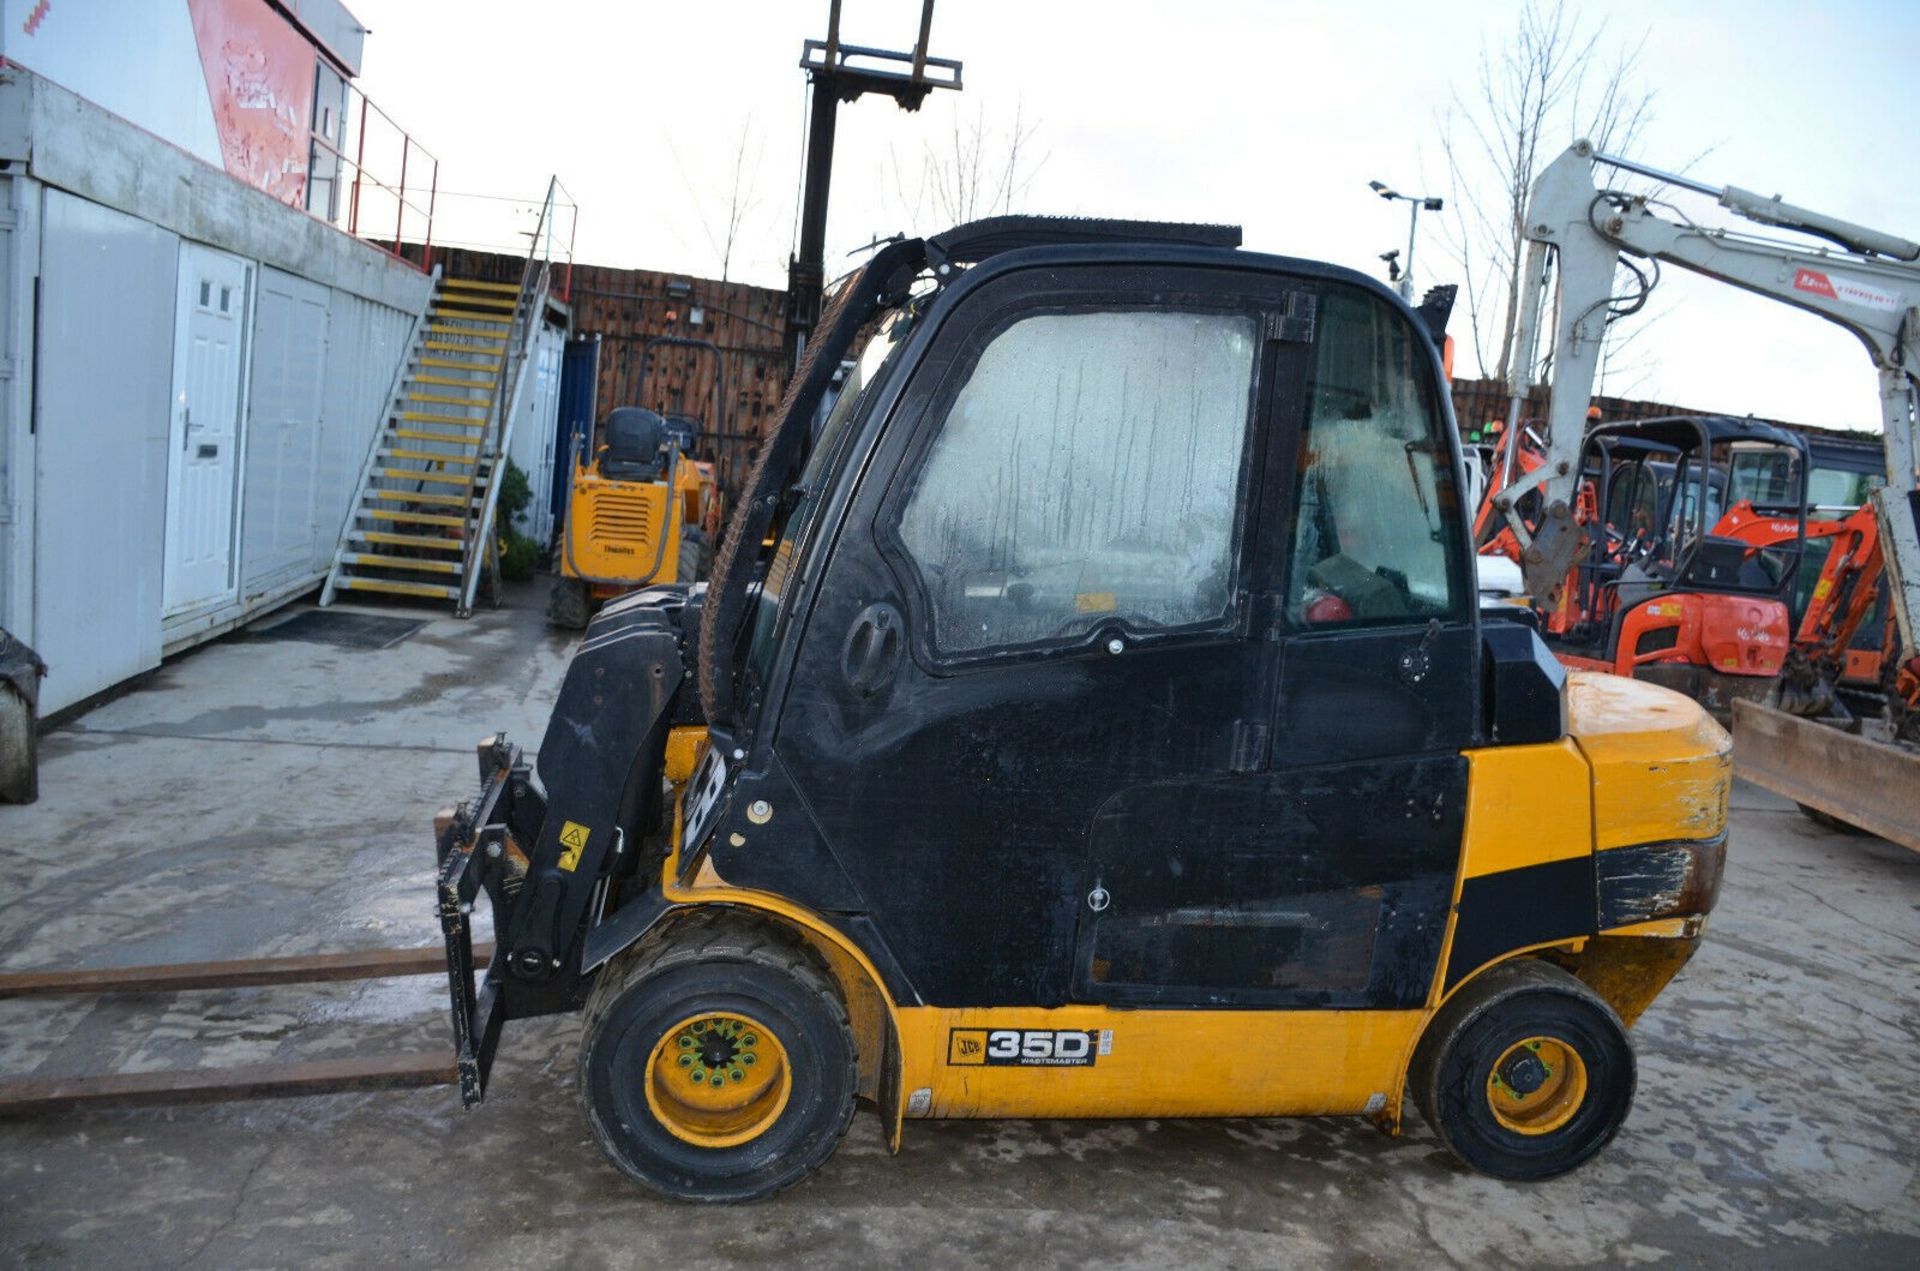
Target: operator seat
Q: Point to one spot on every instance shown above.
(634, 440)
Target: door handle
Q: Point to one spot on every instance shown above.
(873, 648)
(1414, 663)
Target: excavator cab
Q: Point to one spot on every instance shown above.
(1672, 588)
(1091, 716)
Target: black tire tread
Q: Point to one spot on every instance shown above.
(717, 933)
(569, 606)
(1472, 1001)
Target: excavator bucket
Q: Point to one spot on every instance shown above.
(1866, 783)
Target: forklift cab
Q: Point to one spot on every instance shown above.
(1093, 718)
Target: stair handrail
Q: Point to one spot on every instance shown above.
(505, 398)
(415, 331)
(477, 549)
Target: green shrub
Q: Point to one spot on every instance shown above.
(519, 555)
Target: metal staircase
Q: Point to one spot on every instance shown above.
(422, 521)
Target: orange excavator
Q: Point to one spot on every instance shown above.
(1660, 592)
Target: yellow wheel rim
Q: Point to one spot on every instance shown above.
(718, 1079)
(1537, 1085)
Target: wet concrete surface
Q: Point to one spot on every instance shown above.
(261, 798)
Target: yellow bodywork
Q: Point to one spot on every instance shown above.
(1662, 769)
(1664, 779)
(622, 534)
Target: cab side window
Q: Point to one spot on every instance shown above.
(1375, 501)
(1086, 474)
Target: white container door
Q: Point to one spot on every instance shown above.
(203, 472)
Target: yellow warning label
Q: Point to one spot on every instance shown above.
(573, 837)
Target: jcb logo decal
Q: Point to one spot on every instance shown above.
(1025, 1047)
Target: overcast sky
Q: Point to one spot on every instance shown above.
(1273, 115)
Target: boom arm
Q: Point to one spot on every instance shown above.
(1869, 284)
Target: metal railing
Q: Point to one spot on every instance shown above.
(506, 225)
(369, 202)
(508, 389)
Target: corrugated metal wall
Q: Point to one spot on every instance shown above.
(282, 441)
(105, 378)
(365, 342)
(532, 446)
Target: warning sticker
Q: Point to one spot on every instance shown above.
(1854, 291)
(573, 837)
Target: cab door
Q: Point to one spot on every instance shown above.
(1040, 599)
(1322, 876)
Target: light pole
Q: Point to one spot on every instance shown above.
(1414, 203)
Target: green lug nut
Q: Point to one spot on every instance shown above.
(686, 1061)
(717, 1081)
(699, 1026)
(749, 1040)
(699, 1075)
(685, 1041)
(737, 1075)
(746, 1059)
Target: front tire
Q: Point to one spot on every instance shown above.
(1525, 1073)
(717, 1063)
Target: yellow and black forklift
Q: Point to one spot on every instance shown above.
(1007, 769)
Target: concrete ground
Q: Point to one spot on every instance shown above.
(274, 797)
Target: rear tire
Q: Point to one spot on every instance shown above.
(710, 992)
(694, 556)
(1525, 1073)
(569, 606)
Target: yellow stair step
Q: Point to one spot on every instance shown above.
(482, 386)
(432, 456)
(419, 496)
(415, 434)
(479, 346)
(474, 284)
(462, 315)
(403, 562)
(444, 400)
(431, 542)
(490, 362)
(428, 417)
(481, 300)
(418, 474)
(415, 518)
(403, 589)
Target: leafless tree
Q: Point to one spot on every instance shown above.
(726, 209)
(981, 168)
(1552, 81)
